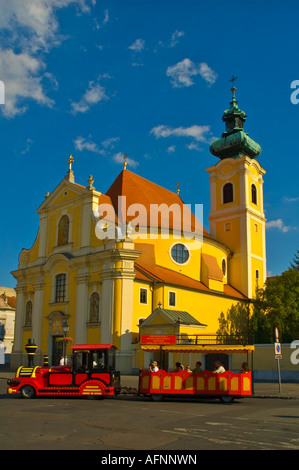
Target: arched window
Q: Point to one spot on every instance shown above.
(94, 312)
(228, 193)
(28, 314)
(223, 266)
(63, 231)
(253, 194)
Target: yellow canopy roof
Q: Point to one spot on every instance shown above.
(191, 348)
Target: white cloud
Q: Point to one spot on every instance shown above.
(171, 149)
(137, 45)
(207, 73)
(279, 224)
(106, 17)
(175, 36)
(29, 142)
(193, 146)
(30, 29)
(182, 73)
(110, 142)
(93, 95)
(22, 75)
(33, 24)
(291, 199)
(119, 158)
(199, 133)
(104, 21)
(82, 144)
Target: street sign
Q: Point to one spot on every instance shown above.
(277, 348)
(278, 356)
(158, 339)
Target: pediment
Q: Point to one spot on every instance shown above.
(63, 193)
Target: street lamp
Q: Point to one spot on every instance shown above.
(65, 327)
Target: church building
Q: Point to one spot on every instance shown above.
(108, 268)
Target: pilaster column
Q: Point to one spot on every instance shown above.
(16, 355)
(81, 304)
(37, 314)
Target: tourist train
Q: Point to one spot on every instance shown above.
(92, 373)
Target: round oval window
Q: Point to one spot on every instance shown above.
(180, 253)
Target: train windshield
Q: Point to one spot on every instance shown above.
(95, 359)
(103, 359)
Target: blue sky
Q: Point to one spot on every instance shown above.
(97, 79)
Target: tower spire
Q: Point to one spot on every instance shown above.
(234, 102)
(70, 174)
(234, 142)
(125, 161)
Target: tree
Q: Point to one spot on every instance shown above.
(280, 304)
(277, 305)
(295, 263)
(260, 324)
(236, 322)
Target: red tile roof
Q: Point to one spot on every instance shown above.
(6, 301)
(167, 276)
(139, 190)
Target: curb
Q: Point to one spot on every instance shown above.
(276, 396)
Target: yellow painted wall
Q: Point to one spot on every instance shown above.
(163, 254)
(257, 265)
(232, 237)
(140, 310)
(93, 336)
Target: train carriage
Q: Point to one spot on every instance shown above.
(227, 385)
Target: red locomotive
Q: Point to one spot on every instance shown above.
(92, 373)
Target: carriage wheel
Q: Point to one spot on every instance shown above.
(28, 391)
(226, 399)
(157, 397)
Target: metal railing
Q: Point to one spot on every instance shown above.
(215, 339)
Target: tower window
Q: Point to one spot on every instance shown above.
(253, 194)
(228, 193)
(60, 288)
(257, 274)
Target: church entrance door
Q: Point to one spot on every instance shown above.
(57, 350)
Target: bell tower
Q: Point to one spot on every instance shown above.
(237, 212)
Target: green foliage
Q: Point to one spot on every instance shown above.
(295, 263)
(277, 305)
(236, 322)
(281, 304)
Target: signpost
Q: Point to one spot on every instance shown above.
(278, 355)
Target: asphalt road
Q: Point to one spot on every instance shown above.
(137, 423)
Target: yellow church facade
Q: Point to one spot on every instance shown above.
(106, 268)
